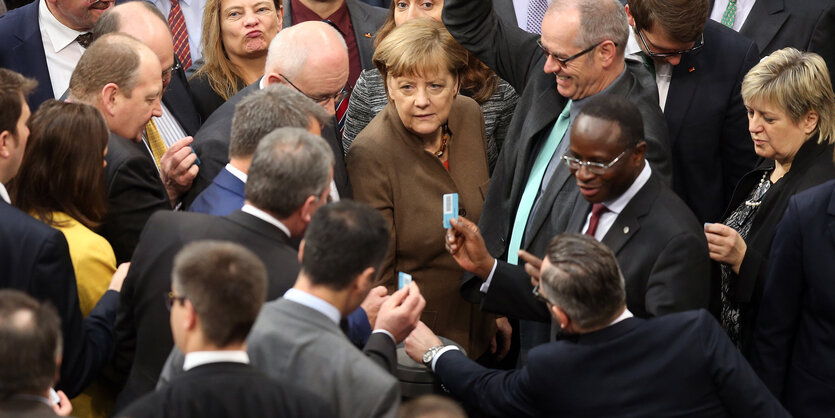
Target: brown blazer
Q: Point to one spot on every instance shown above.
(390, 170)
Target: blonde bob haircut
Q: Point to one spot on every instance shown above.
(798, 83)
(218, 69)
(418, 47)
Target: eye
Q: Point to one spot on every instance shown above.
(233, 15)
(427, 5)
(402, 5)
(263, 9)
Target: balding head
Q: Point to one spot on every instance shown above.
(313, 57)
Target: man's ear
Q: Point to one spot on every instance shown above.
(640, 151)
(5, 144)
(273, 78)
(189, 316)
(629, 17)
(110, 96)
(308, 209)
(560, 316)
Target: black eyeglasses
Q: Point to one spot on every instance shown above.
(564, 61)
(538, 296)
(337, 97)
(171, 297)
(167, 73)
(597, 169)
(696, 46)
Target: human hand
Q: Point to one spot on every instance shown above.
(371, 304)
(119, 277)
(177, 168)
(63, 408)
(533, 266)
(503, 333)
(725, 245)
(400, 312)
(467, 247)
(420, 341)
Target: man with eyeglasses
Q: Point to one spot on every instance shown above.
(607, 362)
(579, 55)
(311, 57)
(698, 66)
(626, 206)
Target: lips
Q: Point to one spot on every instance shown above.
(254, 34)
(588, 191)
(101, 5)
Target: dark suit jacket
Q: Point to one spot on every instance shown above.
(25, 408)
(34, 258)
(224, 196)
(812, 165)
(22, 50)
(677, 365)
(178, 99)
(661, 250)
(795, 333)
(211, 143)
(134, 192)
(808, 25)
(143, 334)
(228, 390)
(708, 125)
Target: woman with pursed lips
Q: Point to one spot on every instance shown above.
(236, 37)
(791, 118)
(428, 141)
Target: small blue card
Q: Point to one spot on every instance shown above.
(403, 280)
(450, 208)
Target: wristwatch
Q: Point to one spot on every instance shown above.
(430, 354)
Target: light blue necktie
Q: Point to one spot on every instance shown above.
(535, 181)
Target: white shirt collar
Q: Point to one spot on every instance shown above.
(616, 205)
(60, 35)
(625, 315)
(4, 194)
(240, 175)
(264, 216)
(199, 358)
(313, 302)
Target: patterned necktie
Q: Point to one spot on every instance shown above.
(597, 209)
(535, 181)
(729, 17)
(341, 108)
(85, 39)
(536, 11)
(155, 142)
(177, 23)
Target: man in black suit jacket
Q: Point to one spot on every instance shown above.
(287, 182)
(320, 72)
(34, 258)
(807, 25)
(608, 362)
(217, 289)
(698, 65)
(658, 242)
(571, 70)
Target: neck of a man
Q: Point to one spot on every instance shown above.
(241, 163)
(323, 8)
(609, 76)
(197, 342)
(340, 299)
(617, 314)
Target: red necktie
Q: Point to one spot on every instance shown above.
(597, 209)
(177, 23)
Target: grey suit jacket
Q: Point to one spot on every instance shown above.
(366, 19)
(295, 343)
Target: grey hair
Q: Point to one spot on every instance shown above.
(584, 280)
(600, 20)
(263, 111)
(289, 165)
(288, 52)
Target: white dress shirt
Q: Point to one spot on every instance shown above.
(4, 194)
(199, 358)
(60, 47)
(266, 217)
(240, 175)
(743, 8)
(193, 16)
(663, 69)
(320, 305)
(616, 206)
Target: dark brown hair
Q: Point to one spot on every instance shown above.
(683, 20)
(62, 168)
(13, 89)
(478, 81)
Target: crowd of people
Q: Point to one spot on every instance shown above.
(208, 208)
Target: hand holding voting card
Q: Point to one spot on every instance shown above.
(450, 208)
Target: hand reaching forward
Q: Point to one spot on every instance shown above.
(725, 245)
(467, 247)
(420, 341)
(401, 311)
(177, 168)
(372, 303)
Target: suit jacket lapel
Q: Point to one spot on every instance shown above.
(363, 25)
(764, 21)
(682, 88)
(628, 223)
(178, 101)
(30, 50)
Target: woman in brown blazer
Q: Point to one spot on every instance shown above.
(428, 141)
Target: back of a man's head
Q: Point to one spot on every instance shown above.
(30, 344)
(263, 111)
(13, 91)
(584, 280)
(113, 58)
(225, 283)
(289, 166)
(111, 20)
(343, 240)
(682, 20)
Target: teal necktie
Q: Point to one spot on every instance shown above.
(729, 17)
(535, 181)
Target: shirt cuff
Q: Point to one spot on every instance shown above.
(486, 285)
(441, 351)
(382, 331)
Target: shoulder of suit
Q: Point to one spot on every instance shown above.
(15, 219)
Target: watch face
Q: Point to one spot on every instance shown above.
(427, 357)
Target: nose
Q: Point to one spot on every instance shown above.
(754, 123)
(552, 66)
(421, 98)
(673, 60)
(584, 174)
(412, 12)
(250, 19)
